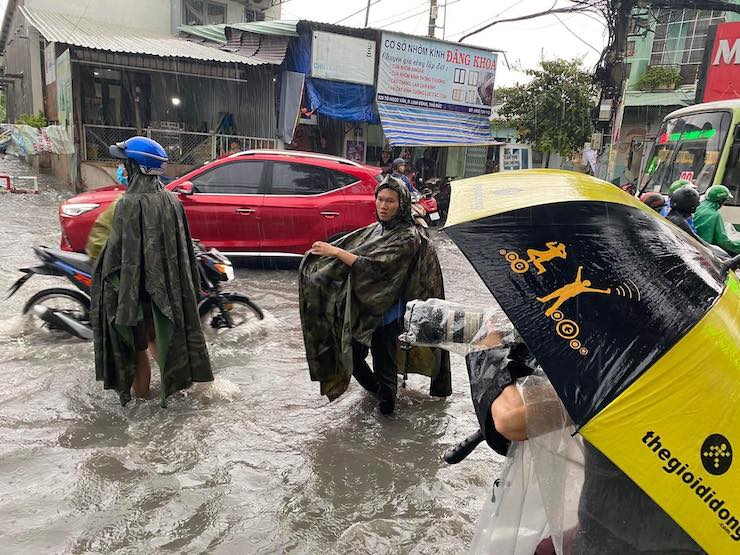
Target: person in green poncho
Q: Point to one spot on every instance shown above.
(709, 223)
(353, 294)
(145, 283)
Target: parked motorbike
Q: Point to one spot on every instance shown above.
(67, 311)
(442, 193)
(427, 201)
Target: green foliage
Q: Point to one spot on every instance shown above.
(38, 120)
(3, 108)
(553, 111)
(659, 78)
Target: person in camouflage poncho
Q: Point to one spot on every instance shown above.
(352, 297)
(144, 284)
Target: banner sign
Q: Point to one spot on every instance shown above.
(723, 73)
(435, 75)
(64, 90)
(342, 58)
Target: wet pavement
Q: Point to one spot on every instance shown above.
(257, 462)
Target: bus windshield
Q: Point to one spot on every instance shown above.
(687, 147)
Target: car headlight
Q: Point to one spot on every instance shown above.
(77, 209)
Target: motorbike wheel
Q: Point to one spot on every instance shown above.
(72, 303)
(241, 310)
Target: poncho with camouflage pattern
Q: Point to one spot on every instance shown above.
(149, 254)
(339, 303)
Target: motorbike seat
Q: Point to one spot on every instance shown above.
(77, 260)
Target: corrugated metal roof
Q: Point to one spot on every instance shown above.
(87, 33)
(270, 48)
(217, 33)
(281, 28)
(214, 33)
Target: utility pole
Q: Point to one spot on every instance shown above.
(432, 17)
(367, 12)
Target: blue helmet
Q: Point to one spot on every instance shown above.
(148, 154)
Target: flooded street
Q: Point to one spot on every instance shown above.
(257, 462)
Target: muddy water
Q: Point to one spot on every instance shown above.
(257, 462)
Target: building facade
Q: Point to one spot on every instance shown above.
(664, 39)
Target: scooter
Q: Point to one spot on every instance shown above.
(442, 193)
(67, 310)
(426, 200)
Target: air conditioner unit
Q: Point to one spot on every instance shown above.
(261, 5)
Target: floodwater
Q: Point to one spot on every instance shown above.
(257, 462)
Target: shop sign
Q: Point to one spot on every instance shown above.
(342, 58)
(511, 160)
(723, 73)
(435, 75)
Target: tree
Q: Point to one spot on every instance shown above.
(553, 111)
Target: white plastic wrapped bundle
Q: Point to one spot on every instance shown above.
(453, 327)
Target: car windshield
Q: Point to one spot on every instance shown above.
(687, 147)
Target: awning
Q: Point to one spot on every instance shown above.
(87, 33)
(679, 97)
(412, 126)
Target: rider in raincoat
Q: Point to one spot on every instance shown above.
(145, 284)
(709, 223)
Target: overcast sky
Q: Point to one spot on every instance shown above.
(524, 42)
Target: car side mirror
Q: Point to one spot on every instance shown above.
(185, 188)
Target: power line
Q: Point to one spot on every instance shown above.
(575, 35)
(425, 10)
(357, 12)
(514, 5)
(416, 7)
(417, 14)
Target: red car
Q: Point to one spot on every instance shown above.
(259, 202)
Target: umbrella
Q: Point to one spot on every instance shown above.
(635, 324)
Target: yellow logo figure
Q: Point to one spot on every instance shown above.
(519, 266)
(570, 291)
(554, 250)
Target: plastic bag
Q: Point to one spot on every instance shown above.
(454, 327)
(513, 520)
(536, 500)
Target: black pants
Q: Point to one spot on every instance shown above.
(383, 381)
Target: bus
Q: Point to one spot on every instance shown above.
(700, 143)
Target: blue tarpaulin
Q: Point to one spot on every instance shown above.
(345, 101)
(335, 99)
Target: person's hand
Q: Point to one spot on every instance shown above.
(320, 248)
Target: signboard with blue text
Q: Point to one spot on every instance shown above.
(443, 91)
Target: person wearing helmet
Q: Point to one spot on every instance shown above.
(710, 225)
(675, 186)
(654, 200)
(145, 283)
(683, 204)
(399, 172)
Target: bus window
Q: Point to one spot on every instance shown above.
(731, 178)
(687, 147)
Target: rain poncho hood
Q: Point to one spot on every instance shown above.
(711, 227)
(339, 303)
(148, 258)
